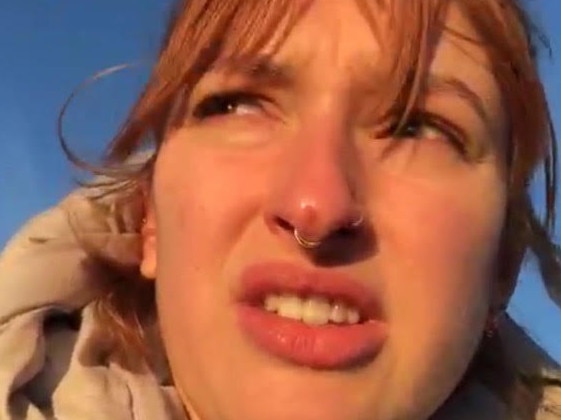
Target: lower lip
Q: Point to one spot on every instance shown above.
(319, 347)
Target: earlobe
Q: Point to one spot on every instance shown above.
(148, 261)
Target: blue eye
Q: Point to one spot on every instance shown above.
(239, 103)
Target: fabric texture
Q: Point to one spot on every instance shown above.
(53, 368)
(48, 368)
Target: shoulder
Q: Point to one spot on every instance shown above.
(550, 407)
(534, 362)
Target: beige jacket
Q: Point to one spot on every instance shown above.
(50, 369)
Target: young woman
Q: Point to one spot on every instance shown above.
(329, 225)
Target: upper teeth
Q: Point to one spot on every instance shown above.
(315, 310)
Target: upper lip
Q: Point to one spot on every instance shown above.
(260, 279)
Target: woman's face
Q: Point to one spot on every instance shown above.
(302, 147)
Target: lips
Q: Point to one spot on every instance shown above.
(321, 347)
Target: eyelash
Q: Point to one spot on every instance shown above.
(219, 104)
(419, 119)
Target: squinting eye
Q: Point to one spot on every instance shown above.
(427, 126)
(417, 129)
(238, 103)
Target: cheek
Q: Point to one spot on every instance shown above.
(205, 202)
(444, 235)
(205, 199)
(439, 243)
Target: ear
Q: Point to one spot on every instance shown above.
(148, 261)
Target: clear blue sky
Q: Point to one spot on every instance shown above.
(48, 47)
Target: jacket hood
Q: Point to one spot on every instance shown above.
(51, 367)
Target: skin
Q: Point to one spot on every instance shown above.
(228, 189)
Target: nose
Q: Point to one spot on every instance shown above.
(315, 189)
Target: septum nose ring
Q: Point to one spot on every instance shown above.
(311, 244)
(305, 243)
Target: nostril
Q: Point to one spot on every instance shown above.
(346, 232)
(283, 224)
(278, 224)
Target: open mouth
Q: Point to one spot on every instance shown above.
(316, 318)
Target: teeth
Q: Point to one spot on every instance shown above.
(352, 316)
(339, 313)
(315, 310)
(271, 303)
(290, 307)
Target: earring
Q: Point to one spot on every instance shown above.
(491, 327)
(492, 323)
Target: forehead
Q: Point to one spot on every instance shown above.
(363, 37)
(366, 41)
(368, 32)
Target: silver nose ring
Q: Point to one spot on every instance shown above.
(355, 224)
(311, 244)
(305, 243)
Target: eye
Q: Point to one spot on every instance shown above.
(427, 126)
(239, 103)
(416, 128)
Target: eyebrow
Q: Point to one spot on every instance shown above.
(261, 69)
(438, 83)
